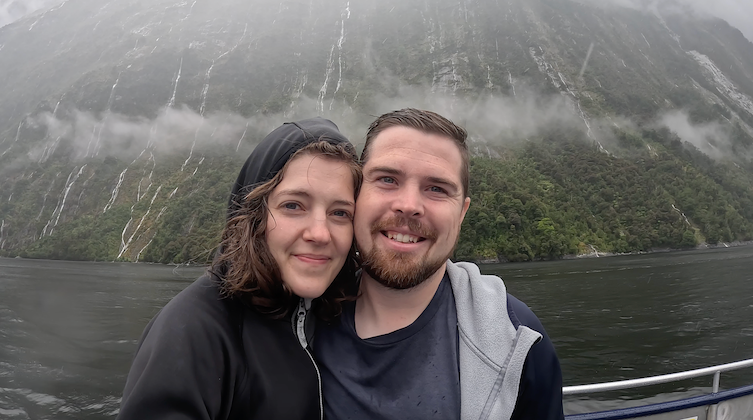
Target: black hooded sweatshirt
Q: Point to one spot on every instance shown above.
(208, 357)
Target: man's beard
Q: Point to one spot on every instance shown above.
(397, 270)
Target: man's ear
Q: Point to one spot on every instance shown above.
(466, 205)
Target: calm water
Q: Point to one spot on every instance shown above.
(68, 330)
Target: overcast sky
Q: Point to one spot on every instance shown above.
(739, 13)
(12, 10)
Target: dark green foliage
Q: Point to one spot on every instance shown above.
(556, 198)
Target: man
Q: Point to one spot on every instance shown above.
(426, 337)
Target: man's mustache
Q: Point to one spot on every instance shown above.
(397, 221)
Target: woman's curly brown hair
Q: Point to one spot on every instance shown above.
(245, 264)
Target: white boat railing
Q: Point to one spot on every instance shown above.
(653, 380)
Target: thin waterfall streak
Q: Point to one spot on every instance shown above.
(91, 139)
(122, 235)
(509, 76)
(55, 111)
(18, 130)
(156, 219)
(323, 89)
(171, 102)
(241, 139)
(44, 200)
(68, 190)
(141, 222)
(190, 154)
(114, 194)
(585, 62)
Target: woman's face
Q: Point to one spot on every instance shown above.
(310, 223)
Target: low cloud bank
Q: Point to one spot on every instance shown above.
(712, 138)
(492, 119)
(174, 130)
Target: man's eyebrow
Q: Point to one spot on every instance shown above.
(385, 170)
(444, 181)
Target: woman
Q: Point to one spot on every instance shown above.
(233, 345)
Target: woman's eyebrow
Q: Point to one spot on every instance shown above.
(306, 194)
(345, 203)
(295, 192)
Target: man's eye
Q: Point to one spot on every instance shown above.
(387, 179)
(436, 189)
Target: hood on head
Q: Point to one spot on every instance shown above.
(274, 151)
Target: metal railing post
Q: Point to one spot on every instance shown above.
(717, 379)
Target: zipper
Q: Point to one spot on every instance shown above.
(300, 332)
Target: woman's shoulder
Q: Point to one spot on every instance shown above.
(199, 308)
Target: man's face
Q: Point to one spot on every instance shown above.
(410, 207)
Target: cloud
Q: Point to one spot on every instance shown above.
(489, 118)
(738, 13)
(173, 131)
(13, 10)
(711, 138)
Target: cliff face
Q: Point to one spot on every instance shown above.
(124, 122)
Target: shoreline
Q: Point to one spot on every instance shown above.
(489, 261)
(598, 254)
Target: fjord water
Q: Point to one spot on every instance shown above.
(68, 329)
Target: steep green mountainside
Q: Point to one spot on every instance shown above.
(594, 129)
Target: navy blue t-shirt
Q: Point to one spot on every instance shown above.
(409, 373)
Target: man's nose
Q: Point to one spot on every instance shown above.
(409, 203)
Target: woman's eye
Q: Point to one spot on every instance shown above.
(342, 213)
(291, 206)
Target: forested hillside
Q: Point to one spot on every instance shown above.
(594, 129)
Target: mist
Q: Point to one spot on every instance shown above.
(488, 118)
(738, 13)
(711, 138)
(13, 10)
(174, 130)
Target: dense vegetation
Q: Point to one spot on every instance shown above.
(565, 197)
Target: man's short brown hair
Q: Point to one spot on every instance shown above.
(427, 122)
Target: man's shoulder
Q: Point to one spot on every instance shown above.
(467, 274)
(521, 314)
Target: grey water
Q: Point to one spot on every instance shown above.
(68, 330)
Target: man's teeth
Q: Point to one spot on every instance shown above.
(399, 237)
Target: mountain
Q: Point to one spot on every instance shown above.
(13, 10)
(595, 128)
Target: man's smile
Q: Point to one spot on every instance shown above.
(405, 238)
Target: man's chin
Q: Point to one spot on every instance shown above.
(399, 271)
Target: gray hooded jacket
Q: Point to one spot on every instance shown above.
(492, 349)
